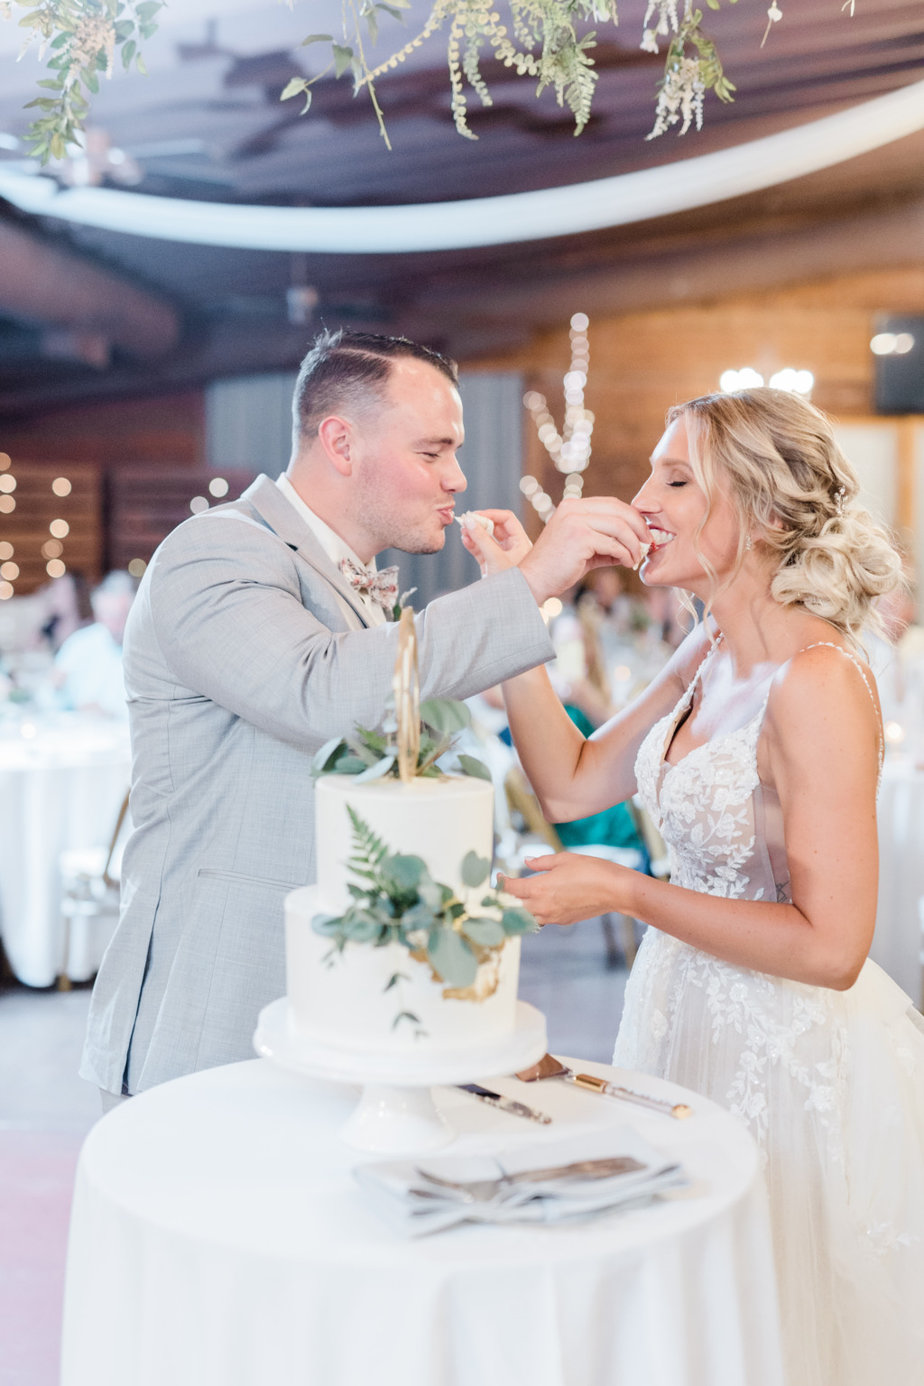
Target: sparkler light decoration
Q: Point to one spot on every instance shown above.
(570, 449)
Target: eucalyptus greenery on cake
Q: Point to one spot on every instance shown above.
(372, 753)
(396, 900)
(547, 41)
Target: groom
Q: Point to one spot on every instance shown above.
(260, 631)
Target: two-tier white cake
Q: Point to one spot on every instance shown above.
(343, 999)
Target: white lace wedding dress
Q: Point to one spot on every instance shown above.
(830, 1083)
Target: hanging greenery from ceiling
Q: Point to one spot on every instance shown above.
(81, 39)
(549, 41)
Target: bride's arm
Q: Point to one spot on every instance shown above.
(573, 776)
(822, 750)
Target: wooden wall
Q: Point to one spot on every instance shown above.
(165, 428)
(642, 362)
(92, 446)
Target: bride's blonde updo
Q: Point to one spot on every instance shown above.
(794, 493)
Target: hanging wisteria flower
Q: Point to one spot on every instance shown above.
(680, 98)
(95, 34)
(692, 68)
(667, 23)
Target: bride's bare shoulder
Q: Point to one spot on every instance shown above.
(828, 662)
(824, 697)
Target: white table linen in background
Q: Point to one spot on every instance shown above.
(897, 941)
(219, 1239)
(62, 779)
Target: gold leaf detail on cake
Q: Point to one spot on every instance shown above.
(486, 980)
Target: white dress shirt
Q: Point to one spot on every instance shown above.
(332, 544)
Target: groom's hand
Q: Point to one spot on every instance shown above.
(506, 547)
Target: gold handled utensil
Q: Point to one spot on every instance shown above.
(550, 1067)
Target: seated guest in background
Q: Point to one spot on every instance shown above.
(261, 630)
(67, 607)
(88, 666)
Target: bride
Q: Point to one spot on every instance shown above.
(758, 751)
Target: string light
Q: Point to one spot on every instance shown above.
(569, 449)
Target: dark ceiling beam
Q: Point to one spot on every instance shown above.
(744, 263)
(45, 284)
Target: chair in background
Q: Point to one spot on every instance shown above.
(90, 903)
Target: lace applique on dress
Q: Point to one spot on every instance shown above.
(706, 807)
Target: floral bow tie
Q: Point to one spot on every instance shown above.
(381, 587)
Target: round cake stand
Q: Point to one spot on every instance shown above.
(396, 1113)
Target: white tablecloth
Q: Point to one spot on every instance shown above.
(218, 1239)
(62, 779)
(897, 940)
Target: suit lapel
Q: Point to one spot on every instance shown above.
(266, 499)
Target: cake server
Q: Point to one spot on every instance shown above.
(550, 1067)
(504, 1104)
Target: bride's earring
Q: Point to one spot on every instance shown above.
(748, 545)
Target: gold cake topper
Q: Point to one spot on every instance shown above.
(406, 689)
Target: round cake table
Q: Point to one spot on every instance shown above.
(219, 1239)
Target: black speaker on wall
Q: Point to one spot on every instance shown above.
(899, 345)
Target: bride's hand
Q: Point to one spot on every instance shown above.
(570, 886)
(505, 549)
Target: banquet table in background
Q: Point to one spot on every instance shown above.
(897, 941)
(218, 1239)
(63, 777)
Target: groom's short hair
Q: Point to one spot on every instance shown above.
(349, 371)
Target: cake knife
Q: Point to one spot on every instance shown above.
(550, 1067)
(504, 1104)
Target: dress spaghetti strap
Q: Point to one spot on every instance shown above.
(829, 644)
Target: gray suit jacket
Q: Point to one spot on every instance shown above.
(245, 651)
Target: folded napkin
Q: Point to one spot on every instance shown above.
(432, 1193)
